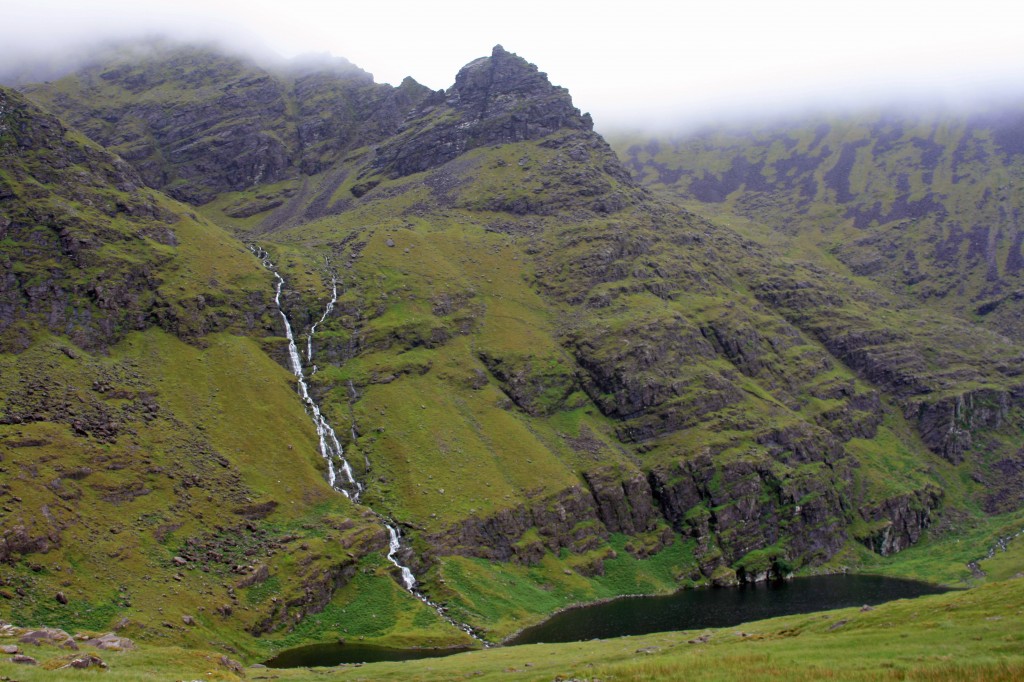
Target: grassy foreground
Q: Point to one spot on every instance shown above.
(976, 634)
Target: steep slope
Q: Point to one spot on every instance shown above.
(196, 122)
(154, 458)
(562, 387)
(663, 373)
(924, 204)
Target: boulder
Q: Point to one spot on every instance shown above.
(85, 661)
(110, 642)
(45, 636)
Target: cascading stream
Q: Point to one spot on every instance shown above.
(330, 447)
(410, 584)
(327, 311)
(1000, 546)
(408, 579)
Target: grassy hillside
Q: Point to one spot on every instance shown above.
(558, 384)
(960, 635)
(558, 351)
(157, 462)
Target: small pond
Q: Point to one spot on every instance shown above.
(684, 610)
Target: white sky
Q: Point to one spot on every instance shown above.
(628, 63)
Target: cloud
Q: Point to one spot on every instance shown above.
(641, 62)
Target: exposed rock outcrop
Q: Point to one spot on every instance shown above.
(196, 122)
(948, 425)
(495, 100)
(17, 541)
(902, 520)
(623, 506)
(749, 518)
(564, 520)
(91, 256)
(742, 506)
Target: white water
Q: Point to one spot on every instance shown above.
(331, 449)
(409, 580)
(407, 577)
(327, 311)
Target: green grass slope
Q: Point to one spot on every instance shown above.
(156, 462)
(972, 635)
(559, 385)
(488, 365)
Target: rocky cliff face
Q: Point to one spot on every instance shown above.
(901, 520)
(750, 518)
(495, 100)
(930, 369)
(196, 122)
(920, 202)
(87, 247)
(949, 425)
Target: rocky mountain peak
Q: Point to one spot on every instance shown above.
(505, 84)
(498, 99)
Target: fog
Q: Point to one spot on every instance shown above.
(643, 64)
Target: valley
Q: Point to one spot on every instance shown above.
(288, 357)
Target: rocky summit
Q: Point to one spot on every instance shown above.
(288, 356)
(500, 99)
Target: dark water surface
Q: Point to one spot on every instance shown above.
(719, 607)
(686, 610)
(353, 652)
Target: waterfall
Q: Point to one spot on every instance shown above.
(409, 580)
(407, 577)
(327, 311)
(331, 449)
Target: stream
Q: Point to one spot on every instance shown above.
(331, 449)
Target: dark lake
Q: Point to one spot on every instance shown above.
(351, 652)
(719, 607)
(685, 610)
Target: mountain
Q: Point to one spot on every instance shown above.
(556, 383)
(196, 123)
(141, 420)
(926, 205)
